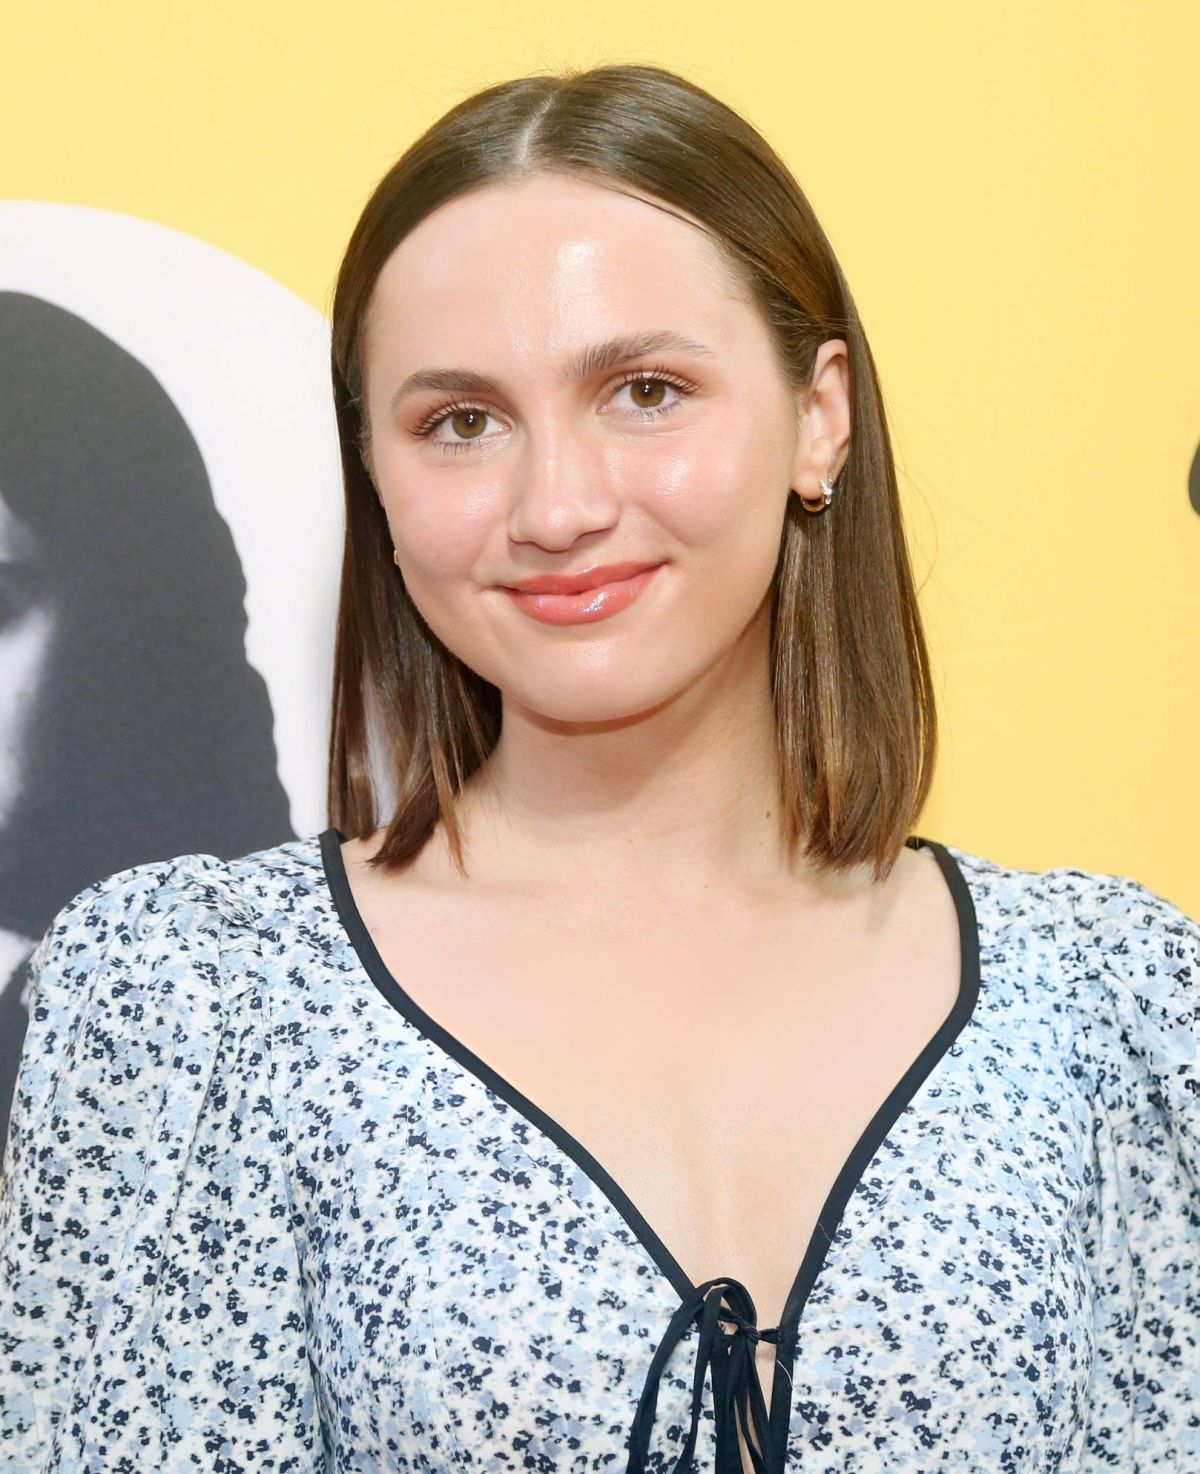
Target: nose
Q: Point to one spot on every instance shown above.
(563, 486)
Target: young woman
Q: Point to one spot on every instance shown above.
(642, 1092)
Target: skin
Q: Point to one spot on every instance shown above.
(622, 839)
(636, 764)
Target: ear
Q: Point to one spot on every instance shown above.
(823, 413)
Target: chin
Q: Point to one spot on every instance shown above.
(587, 705)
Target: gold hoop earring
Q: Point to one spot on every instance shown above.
(819, 503)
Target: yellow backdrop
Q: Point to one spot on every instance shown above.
(1011, 192)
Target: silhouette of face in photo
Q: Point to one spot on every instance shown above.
(132, 726)
(26, 622)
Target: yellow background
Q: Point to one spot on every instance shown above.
(1011, 191)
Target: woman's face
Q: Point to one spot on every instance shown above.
(681, 456)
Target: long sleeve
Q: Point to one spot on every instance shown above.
(151, 1306)
(1134, 958)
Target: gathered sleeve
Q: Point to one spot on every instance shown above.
(151, 1305)
(1135, 961)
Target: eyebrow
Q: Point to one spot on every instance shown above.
(592, 359)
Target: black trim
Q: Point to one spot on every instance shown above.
(869, 1143)
(337, 880)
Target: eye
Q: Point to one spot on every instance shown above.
(651, 407)
(647, 386)
(469, 416)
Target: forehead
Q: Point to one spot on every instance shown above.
(545, 264)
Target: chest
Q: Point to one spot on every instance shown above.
(719, 1073)
(717, 1068)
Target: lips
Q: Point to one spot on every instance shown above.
(578, 583)
(585, 606)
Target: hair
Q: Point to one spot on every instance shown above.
(852, 690)
(124, 754)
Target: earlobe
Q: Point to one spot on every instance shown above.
(816, 472)
(818, 503)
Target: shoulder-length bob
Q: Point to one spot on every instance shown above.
(853, 696)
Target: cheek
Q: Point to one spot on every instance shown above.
(725, 489)
(439, 536)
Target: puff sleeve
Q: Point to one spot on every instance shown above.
(151, 1306)
(1134, 958)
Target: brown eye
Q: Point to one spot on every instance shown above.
(652, 399)
(646, 390)
(463, 421)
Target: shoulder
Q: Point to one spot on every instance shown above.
(1096, 920)
(169, 898)
(1123, 942)
(1121, 958)
(1133, 956)
(147, 965)
(189, 911)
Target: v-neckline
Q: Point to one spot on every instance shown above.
(898, 1102)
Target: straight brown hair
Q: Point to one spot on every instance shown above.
(852, 690)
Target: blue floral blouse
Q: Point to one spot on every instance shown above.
(262, 1214)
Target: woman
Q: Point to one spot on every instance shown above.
(111, 745)
(642, 1070)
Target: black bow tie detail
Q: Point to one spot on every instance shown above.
(737, 1392)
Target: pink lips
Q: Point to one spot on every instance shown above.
(586, 604)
